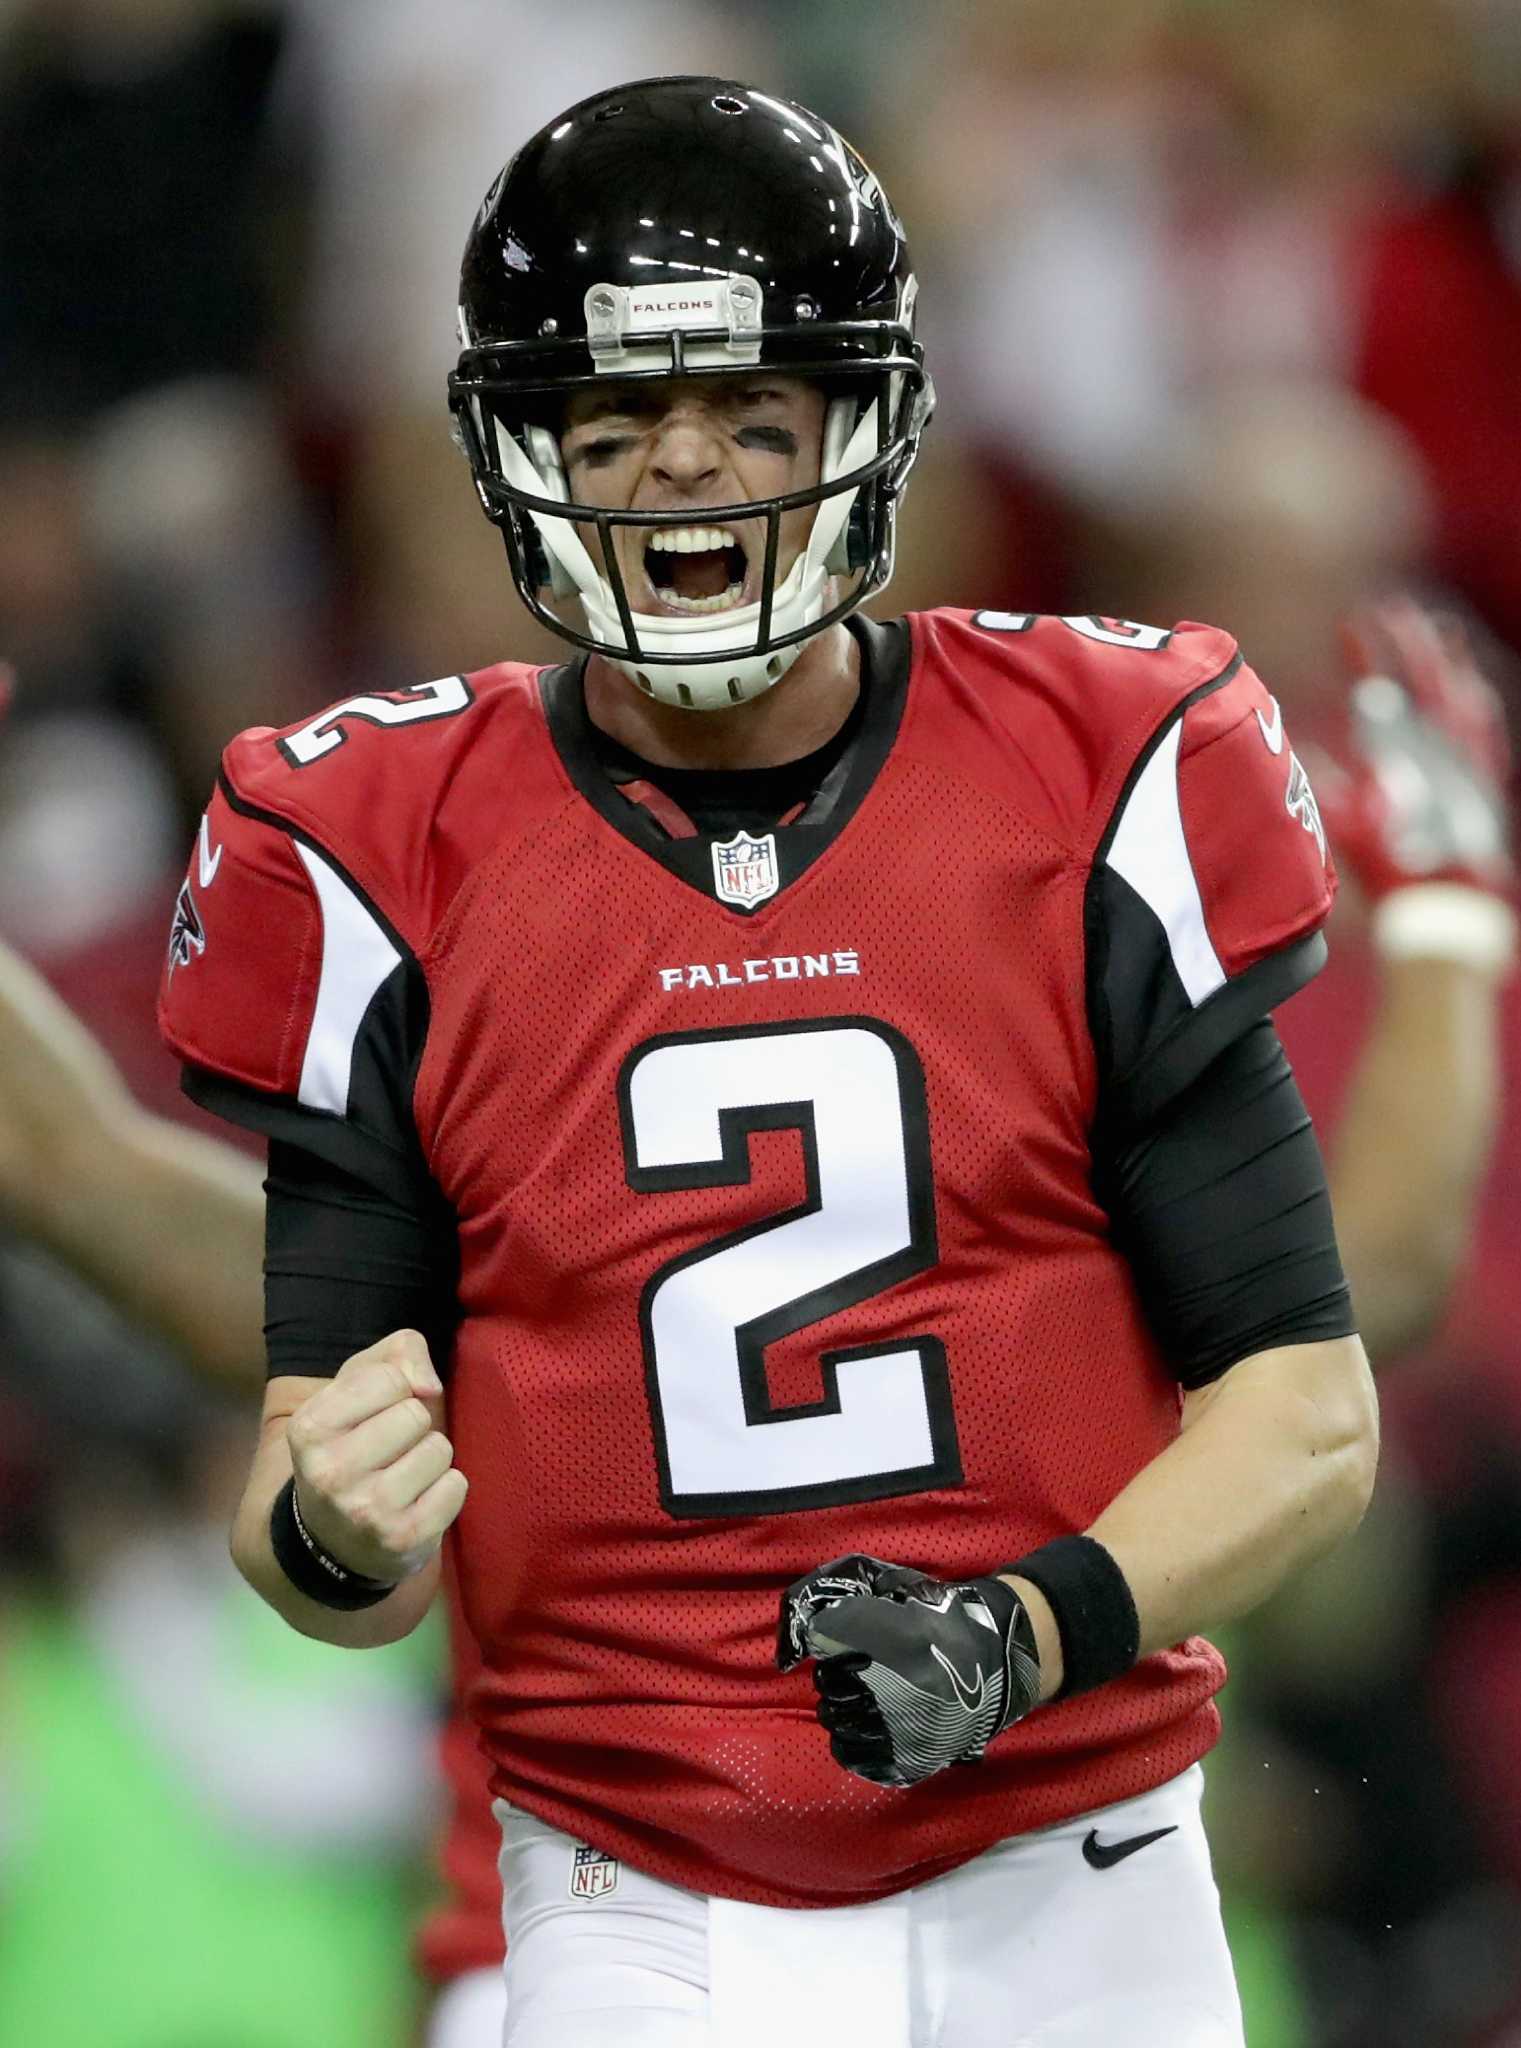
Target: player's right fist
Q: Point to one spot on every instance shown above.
(375, 1476)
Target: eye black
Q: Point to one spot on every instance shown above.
(597, 454)
(775, 440)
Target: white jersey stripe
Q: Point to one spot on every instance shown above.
(356, 958)
(1149, 850)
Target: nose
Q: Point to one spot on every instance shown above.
(688, 454)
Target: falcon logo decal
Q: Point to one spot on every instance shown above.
(1299, 802)
(187, 935)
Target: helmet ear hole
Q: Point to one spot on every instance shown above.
(537, 566)
(858, 536)
(852, 550)
(544, 453)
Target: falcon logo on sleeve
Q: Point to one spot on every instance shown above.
(187, 935)
(1299, 802)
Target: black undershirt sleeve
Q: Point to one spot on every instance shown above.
(1222, 1208)
(345, 1264)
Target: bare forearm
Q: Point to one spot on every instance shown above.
(169, 1225)
(1413, 1146)
(368, 1628)
(1274, 1464)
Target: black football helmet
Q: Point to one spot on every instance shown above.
(689, 227)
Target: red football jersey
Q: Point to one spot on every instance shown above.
(771, 1165)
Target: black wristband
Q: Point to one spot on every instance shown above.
(1092, 1606)
(313, 1570)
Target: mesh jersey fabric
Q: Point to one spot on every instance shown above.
(931, 963)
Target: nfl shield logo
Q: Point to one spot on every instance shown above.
(593, 1875)
(744, 869)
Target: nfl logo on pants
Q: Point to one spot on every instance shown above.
(593, 1874)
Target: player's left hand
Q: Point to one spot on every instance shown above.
(913, 1672)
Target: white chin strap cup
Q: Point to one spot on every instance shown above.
(719, 666)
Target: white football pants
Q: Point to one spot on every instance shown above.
(471, 2012)
(1041, 1942)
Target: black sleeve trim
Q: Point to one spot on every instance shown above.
(336, 1140)
(1134, 1100)
(376, 1139)
(1223, 1211)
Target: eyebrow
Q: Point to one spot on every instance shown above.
(601, 403)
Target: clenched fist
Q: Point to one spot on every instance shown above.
(376, 1482)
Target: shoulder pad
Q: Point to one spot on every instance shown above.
(406, 790)
(1206, 892)
(238, 994)
(1218, 830)
(1073, 700)
(326, 858)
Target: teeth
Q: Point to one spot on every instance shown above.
(722, 602)
(690, 540)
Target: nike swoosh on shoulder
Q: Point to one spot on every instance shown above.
(1104, 1855)
(1273, 733)
(208, 862)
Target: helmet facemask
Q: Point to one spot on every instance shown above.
(876, 406)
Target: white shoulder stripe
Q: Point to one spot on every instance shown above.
(356, 958)
(1150, 852)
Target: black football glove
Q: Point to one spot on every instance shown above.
(913, 1673)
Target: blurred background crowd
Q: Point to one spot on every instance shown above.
(1223, 301)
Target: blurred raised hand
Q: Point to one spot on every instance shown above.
(1416, 804)
(1418, 792)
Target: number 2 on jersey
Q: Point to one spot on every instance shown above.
(406, 707)
(854, 1089)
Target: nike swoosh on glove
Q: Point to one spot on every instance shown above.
(913, 1673)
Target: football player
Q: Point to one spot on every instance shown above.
(167, 1224)
(795, 1098)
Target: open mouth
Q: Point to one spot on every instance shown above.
(695, 568)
